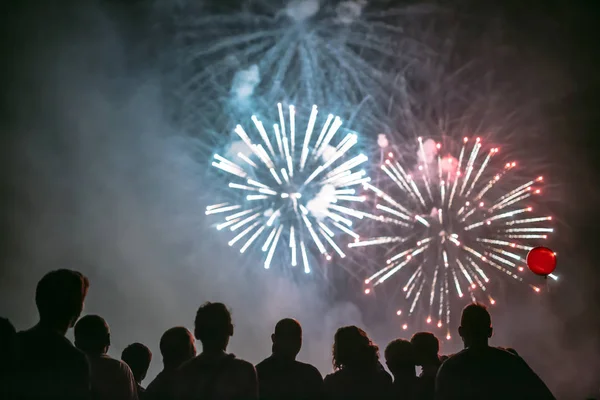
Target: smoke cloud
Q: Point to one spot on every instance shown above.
(96, 178)
(107, 186)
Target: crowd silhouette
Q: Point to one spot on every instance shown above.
(41, 363)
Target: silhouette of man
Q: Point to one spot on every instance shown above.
(111, 379)
(512, 351)
(138, 358)
(214, 374)
(50, 366)
(483, 372)
(280, 376)
(427, 347)
(9, 357)
(177, 345)
(400, 359)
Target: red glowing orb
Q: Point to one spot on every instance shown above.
(541, 261)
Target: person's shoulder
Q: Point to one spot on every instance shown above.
(66, 345)
(123, 365)
(385, 375)
(265, 364)
(77, 355)
(330, 376)
(308, 369)
(33, 335)
(189, 364)
(502, 355)
(241, 364)
(57, 344)
(115, 364)
(24, 334)
(334, 376)
(506, 358)
(157, 381)
(455, 360)
(500, 352)
(337, 379)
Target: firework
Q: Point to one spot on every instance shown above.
(332, 52)
(458, 226)
(290, 192)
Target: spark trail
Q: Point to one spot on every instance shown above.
(458, 226)
(293, 191)
(341, 52)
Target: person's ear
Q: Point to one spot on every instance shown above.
(491, 332)
(272, 338)
(460, 331)
(230, 329)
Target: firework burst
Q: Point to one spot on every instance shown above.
(458, 226)
(290, 192)
(325, 52)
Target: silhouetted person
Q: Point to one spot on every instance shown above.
(111, 379)
(427, 347)
(50, 366)
(280, 376)
(400, 359)
(214, 374)
(484, 372)
(512, 351)
(138, 358)
(177, 345)
(358, 373)
(9, 357)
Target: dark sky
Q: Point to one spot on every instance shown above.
(552, 34)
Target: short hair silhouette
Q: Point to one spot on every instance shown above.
(353, 348)
(213, 325)
(288, 328)
(426, 346)
(59, 296)
(399, 353)
(475, 324)
(92, 334)
(476, 320)
(138, 357)
(287, 338)
(177, 346)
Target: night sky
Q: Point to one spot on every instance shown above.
(555, 38)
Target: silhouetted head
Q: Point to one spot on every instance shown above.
(213, 326)
(177, 345)
(352, 348)
(400, 357)
(427, 347)
(287, 339)
(92, 335)
(138, 357)
(475, 325)
(59, 298)
(8, 346)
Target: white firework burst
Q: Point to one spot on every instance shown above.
(290, 192)
(326, 52)
(457, 226)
